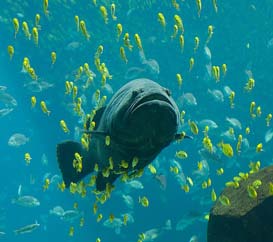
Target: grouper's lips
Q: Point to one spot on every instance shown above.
(150, 99)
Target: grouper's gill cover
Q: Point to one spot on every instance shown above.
(141, 119)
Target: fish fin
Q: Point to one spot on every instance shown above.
(101, 181)
(182, 136)
(19, 192)
(97, 133)
(98, 116)
(65, 156)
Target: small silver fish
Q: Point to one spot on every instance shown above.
(37, 86)
(128, 201)
(17, 140)
(189, 99)
(135, 184)
(5, 111)
(3, 88)
(207, 122)
(207, 53)
(57, 210)
(26, 201)
(115, 224)
(268, 135)
(7, 100)
(152, 234)
(217, 95)
(27, 229)
(234, 122)
(194, 238)
(71, 215)
(44, 160)
(227, 91)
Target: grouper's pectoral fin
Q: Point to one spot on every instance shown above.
(181, 136)
(65, 155)
(101, 181)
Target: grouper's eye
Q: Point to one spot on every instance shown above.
(134, 93)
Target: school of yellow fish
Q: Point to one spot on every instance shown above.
(173, 31)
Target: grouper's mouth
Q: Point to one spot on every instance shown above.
(147, 100)
(151, 123)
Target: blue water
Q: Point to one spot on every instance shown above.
(242, 39)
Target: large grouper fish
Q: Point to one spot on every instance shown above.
(140, 119)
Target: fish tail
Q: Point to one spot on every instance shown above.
(65, 156)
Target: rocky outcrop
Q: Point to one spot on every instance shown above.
(246, 219)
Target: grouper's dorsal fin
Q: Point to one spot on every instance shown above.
(98, 116)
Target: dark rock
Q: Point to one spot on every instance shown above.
(246, 219)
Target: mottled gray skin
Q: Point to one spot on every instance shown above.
(141, 119)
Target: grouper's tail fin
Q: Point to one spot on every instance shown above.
(65, 155)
